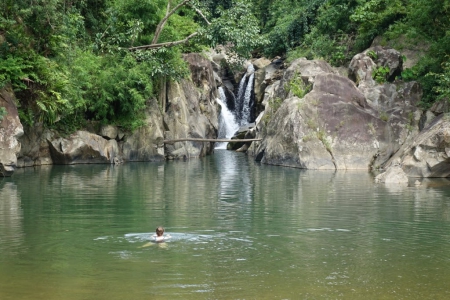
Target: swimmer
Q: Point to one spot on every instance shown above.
(159, 237)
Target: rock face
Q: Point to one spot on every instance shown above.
(10, 130)
(394, 175)
(428, 154)
(145, 143)
(83, 147)
(327, 129)
(35, 149)
(191, 111)
(339, 124)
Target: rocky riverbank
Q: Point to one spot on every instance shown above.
(310, 115)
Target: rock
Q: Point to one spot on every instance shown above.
(307, 69)
(394, 175)
(413, 50)
(243, 148)
(440, 107)
(330, 128)
(259, 86)
(83, 147)
(191, 111)
(35, 148)
(146, 142)
(428, 154)
(360, 71)
(261, 63)
(363, 66)
(10, 130)
(109, 132)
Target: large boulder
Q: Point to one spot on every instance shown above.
(35, 149)
(83, 147)
(145, 143)
(10, 130)
(191, 111)
(394, 175)
(428, 155)
(363, 66)
(332, 127)
(412, 49)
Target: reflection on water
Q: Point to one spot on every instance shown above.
(11, 231)
(239, 230)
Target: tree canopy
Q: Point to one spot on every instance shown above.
(102, 59)
(71, 61)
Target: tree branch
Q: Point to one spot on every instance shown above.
(168, 44)
(200, 13)
(161, 24)
(164, 20)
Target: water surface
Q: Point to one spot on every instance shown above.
(240, 230)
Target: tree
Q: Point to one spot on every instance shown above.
(235, 26)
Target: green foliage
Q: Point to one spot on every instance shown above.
(376, 16)
(298, 87)
(111, 89)
(236, 27)
(13, 70)
(380, 74)
(322, 136)
(288, 26)
(273, 106)
(443, 82)
(372, 54)
(384, 116)
(3, 113)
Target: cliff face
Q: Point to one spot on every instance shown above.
(318, 117)
(10, 130)
(312, 116)
(185, 109)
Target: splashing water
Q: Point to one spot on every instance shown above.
(227, 121)
(231, 120)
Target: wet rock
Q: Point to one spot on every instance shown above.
(109, 132)
(10, 130)
(83, 147)
(428, 154)
(191, 111)
(394, 175)
(146, 142)
(35, 149)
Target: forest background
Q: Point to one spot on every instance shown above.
(73, 61)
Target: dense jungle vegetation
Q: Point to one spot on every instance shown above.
(75, 60)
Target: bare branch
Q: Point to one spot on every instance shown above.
(164, 20)
(200, 13)
(161, 24)
(168, 44)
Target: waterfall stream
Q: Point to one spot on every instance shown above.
(231, 118)
(227, 121)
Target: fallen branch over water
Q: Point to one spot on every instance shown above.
(211, 140)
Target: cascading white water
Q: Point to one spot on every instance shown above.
(230, 121)
(245, 115)
(227, 121)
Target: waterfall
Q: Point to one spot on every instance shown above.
(239, 114)
(227, 121)
(245, 112)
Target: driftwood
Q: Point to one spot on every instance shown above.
(210, 140)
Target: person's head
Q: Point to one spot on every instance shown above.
(159, 231)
